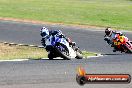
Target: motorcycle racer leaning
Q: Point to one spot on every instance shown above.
(110, 35)
(45, 33)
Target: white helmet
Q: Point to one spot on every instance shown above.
(44, 32)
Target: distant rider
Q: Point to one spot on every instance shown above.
(45, 33)
(111, 35)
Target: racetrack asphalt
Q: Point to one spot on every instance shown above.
(60, 73)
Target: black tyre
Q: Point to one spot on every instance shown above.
(50, 56)
(127, 49)
(62, 51)
(79, 54)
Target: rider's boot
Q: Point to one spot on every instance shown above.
(72, 43)
(115, 49)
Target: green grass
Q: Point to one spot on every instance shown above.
(86, 54)
(21, 52)
(114, 13)
(25, 52)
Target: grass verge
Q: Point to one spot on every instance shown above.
(25, 52)
(20, 52)
(86, 54)
(114, 13)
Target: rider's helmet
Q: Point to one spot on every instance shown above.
(108, 31)
(44, 32)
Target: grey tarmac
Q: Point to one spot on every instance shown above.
(60, 73)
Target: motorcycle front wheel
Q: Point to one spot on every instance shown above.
(79, 54)
(63, 51)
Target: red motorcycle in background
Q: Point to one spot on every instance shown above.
(122, 44)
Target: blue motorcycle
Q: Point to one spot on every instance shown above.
(60, 47)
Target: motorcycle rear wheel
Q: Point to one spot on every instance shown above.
(128, 50)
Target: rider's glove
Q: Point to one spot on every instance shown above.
(61, 36)
(107, 40)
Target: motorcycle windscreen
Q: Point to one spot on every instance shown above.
(62, 41)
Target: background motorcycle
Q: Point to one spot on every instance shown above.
(121, 43)
(59, 47)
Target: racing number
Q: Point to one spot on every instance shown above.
(121, 38)
(117, 43)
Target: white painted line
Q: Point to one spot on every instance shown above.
(58, 58)
(99, 55)
(21, 44)
(14, 60)
(40, 46)
(32, 45)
